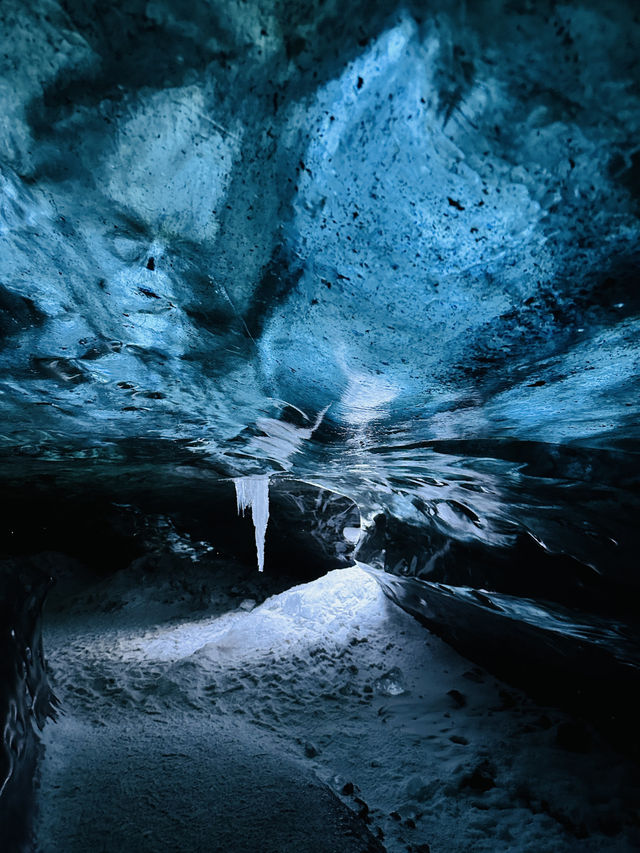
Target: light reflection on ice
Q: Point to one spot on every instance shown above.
(328, 609)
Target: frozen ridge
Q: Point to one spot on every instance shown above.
(254, 492)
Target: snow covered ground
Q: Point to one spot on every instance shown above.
(201, 714)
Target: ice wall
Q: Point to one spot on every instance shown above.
(26, 699)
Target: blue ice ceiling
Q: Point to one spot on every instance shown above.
(392, 253)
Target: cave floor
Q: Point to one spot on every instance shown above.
(197, 713)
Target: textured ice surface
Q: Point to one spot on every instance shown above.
(219, 219)
(427, 227)
(25, 696)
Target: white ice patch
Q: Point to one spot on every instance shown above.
(352, 534)
(328, 612)
(281, 440)
(254, 492)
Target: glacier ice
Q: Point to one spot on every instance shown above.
(216, 218)
(207, 231)
(253, 492)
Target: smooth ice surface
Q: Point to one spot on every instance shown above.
(253, 492)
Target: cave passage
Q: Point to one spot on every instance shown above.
(200, 704)
(319, 421)
(209, 712)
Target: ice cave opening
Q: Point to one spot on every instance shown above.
(319, 426)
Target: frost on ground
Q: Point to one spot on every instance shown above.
(198, 718)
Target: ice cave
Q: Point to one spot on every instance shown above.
(319, 426)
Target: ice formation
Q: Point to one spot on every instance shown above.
(218, 216)
(253, 492)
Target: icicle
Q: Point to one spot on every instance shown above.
(254, 492)
(241, 495)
